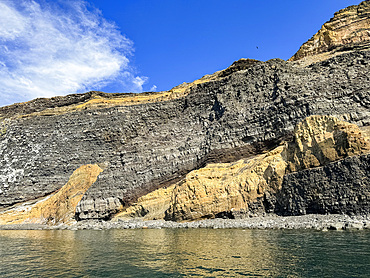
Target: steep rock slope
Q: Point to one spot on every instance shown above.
(349, 29)
(341, 187)
(150, 145)
(251, 185)
(59, 207)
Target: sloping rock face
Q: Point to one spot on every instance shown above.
(58, 207)
(341, 187)
(151, 206)
(348, 29)
(146, 146)
(255, 185)
(221, 188)
(319, 140)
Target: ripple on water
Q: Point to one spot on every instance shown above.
(184, 252)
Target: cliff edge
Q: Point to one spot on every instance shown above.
(348, 30)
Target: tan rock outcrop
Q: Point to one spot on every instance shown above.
(319, 140)
(58, 207)
(349, 28)
(150, 206)
(213, 189)
(224, 187)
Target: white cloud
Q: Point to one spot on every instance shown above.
(59, 48)
(153, 88)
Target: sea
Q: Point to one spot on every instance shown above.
(184, 253)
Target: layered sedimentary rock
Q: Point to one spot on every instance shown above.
(58, 207)
(153, 140)
(151, 206)
(341, 187)
(319, 140)
(222, 188)
(150, 145)
(252, 185)
(213, 189)
(348, 29)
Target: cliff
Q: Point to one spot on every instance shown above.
(218, 127)
(349, 29)
(58, 207)
(258, 184)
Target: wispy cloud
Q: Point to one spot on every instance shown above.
(60, 47)
(153, 88)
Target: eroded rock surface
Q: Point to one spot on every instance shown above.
(255, 185)
(153, 140)
(58, 207)
(341, 187)
(319, 140)
(221, 188)
(147, 146)
(151, 206)
(349, 29)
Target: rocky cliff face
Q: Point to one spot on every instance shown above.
(341, 187)
(153, 140)
(256, 184)
(149, 145)
(349, 29)
(58, 207)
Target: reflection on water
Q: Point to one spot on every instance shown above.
(184, 252)
(201, 252)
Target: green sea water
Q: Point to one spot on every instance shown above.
(184, 253)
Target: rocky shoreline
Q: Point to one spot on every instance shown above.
(311, 221)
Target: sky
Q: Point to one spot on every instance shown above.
(59, 47)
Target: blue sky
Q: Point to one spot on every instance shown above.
(50, 48)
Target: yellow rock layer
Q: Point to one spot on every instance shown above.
(157, 202)
(319, 140)
(366, 131)
(223, 187)
(59, 207)
(103, 102)
(176, 92)
(217, 187)
(98, 101)
(349, 26)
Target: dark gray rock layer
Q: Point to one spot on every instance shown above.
(341, 187)
(146, 146)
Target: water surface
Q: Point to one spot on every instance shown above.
(184, 252)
